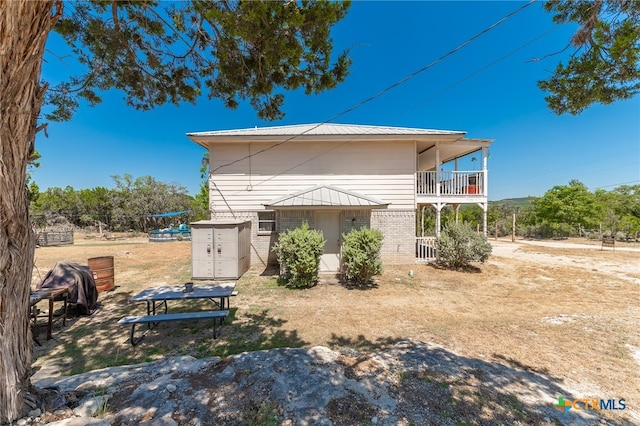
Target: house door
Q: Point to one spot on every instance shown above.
(329, 224)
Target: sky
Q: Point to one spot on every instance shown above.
(487, 88)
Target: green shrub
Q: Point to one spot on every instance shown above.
(361, 255)
(458, 246)
(298, 251)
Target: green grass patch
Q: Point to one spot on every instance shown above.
(264, 413)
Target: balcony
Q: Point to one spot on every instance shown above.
(451, 186)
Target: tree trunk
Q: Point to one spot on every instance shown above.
(24, 27)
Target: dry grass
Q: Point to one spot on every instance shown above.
(578, 324)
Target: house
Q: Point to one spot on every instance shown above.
(337, 177)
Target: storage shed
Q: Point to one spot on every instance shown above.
(220, 249)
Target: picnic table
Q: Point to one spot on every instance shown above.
(59, 294)
(219, 294)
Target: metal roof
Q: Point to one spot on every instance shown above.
(326, 196)
(325, 129)
(452, 143)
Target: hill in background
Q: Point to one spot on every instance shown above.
(515, 202)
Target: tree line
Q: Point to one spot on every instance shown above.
(128, 206)
(563, 211)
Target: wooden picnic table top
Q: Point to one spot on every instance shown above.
(177, 292)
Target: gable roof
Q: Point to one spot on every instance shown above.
(326, 196)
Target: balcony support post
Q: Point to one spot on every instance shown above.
(484, 218)
(485, 179)
(485, 208)
(439, 207)
(438, 172)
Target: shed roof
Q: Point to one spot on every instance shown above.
(326, 196)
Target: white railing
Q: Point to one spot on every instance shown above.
(451, 183)
(426, 249)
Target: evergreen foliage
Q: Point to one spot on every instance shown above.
(298, 251)
(175, 52)
(201, 199)
(605, 63)
(459, 245)
(361, 255)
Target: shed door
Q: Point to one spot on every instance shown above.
(225, 241)
(329, 224)
(202, 252)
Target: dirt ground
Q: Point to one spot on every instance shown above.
(565, 309)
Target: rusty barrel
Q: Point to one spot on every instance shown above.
(102, 268)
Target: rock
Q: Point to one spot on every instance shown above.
(83, 421)
(90, 407)
(297, 386)
(35, 413)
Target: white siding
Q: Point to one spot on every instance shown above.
(381, 170)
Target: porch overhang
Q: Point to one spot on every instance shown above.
(448, 151)
(326, 197)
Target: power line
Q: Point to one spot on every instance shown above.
(617, 184)
(473, 74)
(387, 89)
(436, 61)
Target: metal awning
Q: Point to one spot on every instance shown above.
(326, 196)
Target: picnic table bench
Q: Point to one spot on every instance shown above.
(219, 294)
(155, 319)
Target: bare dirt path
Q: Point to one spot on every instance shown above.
(622, 261)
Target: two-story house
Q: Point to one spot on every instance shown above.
(337, 177)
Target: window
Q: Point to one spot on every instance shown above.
(266, 222)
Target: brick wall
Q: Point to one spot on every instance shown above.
(354, 219)
(291, 219)
(398, 228)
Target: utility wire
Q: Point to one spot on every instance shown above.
(617, 184)
(387, 89)
(473, 74)
(468, 77)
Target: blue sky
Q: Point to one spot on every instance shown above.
(487, 89)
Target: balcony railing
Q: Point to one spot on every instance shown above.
(426, 249)
(450, 184)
